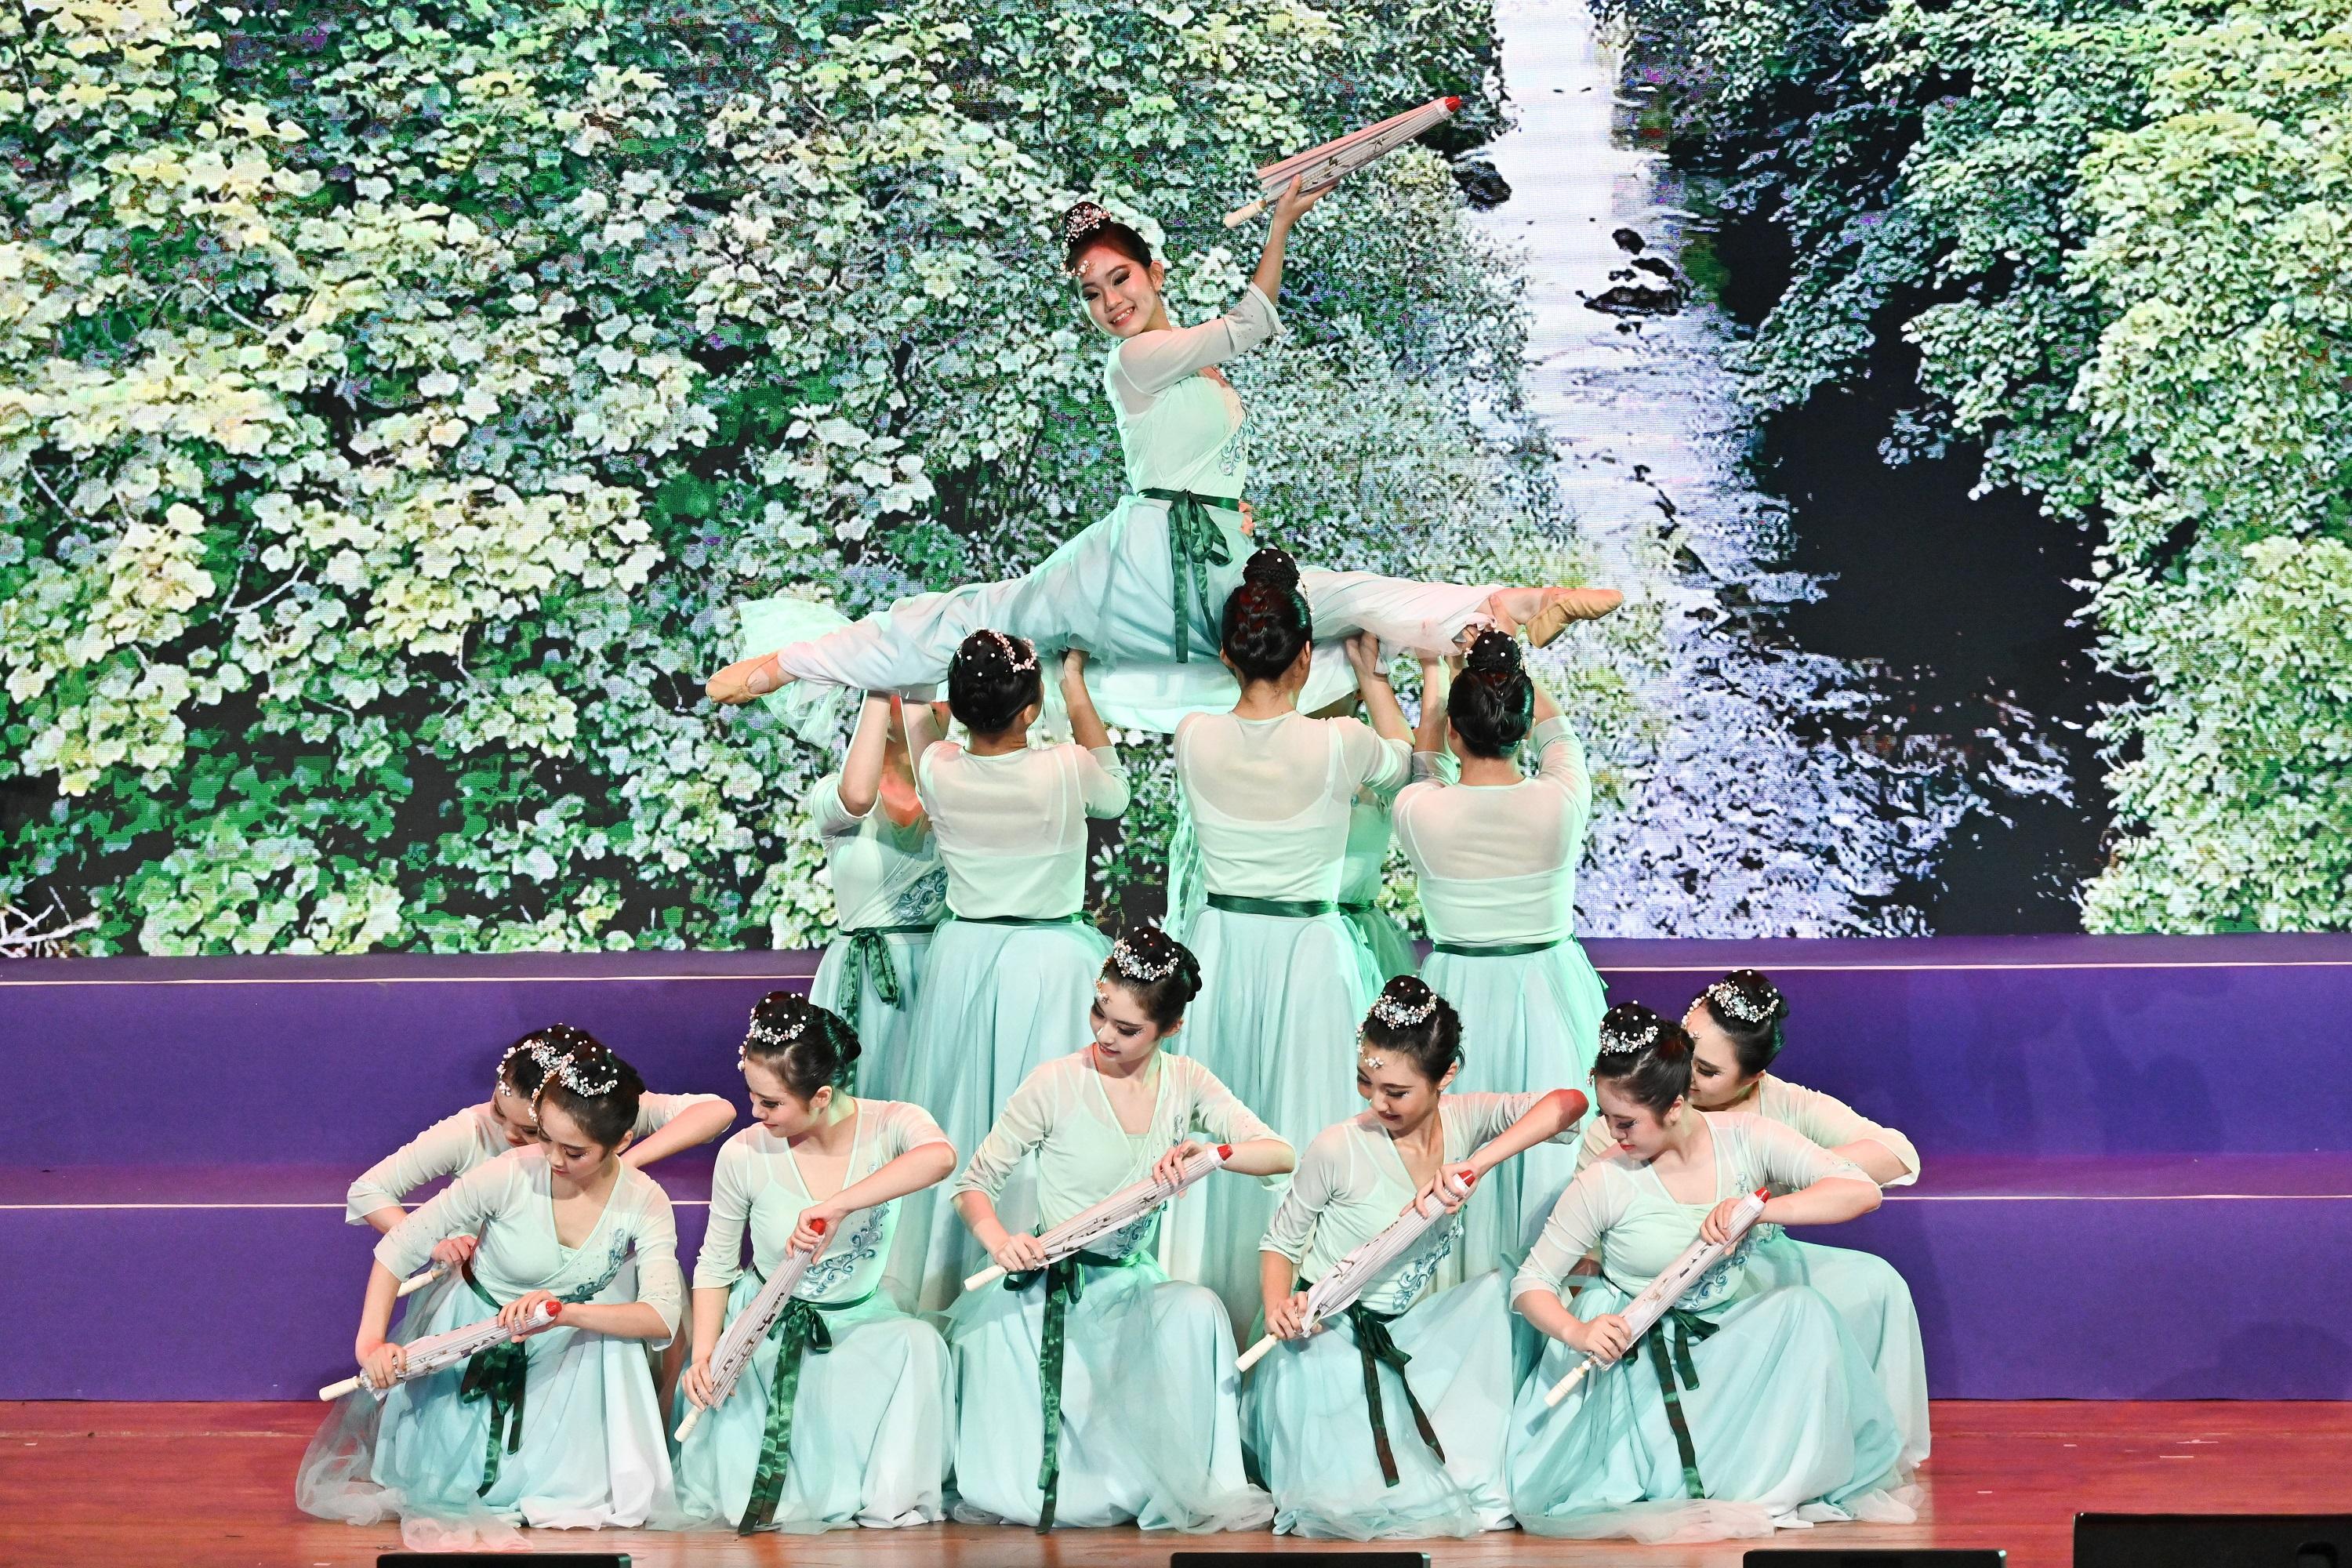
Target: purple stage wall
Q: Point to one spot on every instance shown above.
(2135, 1179)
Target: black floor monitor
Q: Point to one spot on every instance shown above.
(2213, 1540)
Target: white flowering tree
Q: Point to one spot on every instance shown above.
(393, 403)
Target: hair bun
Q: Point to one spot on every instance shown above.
(1748, 996)
(1082, 219)
(1493, 651)
(1630, 1027)
(1273, 567)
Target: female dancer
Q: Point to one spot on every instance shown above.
(663, 1124)
(1791, 1424)
(1734, 1029)
(1495, 852)
(1427, 1374)
(843, 1416)
(1141, 588)
(561, 1429)
(1010, 976)
(1145, 1427)
(1269, 790)
(889, 889)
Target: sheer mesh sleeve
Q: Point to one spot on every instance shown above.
(1311, 1188)
(659, 1284)
(1148, 365)
(721, 1262)
(1102, 782)
(1027, 1121)
(441, 1150)
(1833, 1123)
(461, 1208)
(1584, 1211)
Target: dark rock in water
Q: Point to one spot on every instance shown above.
(1627, 240)
(1481, 182)
(1635, 299)
(1650, 264)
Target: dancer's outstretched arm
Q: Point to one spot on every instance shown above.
(861, 768)
(1437, 680)
(1152, 362)
(1380, 698)
(1086, 727)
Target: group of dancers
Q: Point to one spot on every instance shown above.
(977, 1064)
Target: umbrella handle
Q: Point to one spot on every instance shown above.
(686, 1428)
(1567, 1386)
(335, 1391)
(985, 1278)
(1255, 1354)
(1241, 214)
(418, 1281)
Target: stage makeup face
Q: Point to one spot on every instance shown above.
(1716, 1082)
(1124, 1031)
(780, 1111)
(512, 1113)
(1639, 1130)
(570, 1153)
(1399, 1097)
(1123, 297)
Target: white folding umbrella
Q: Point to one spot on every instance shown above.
(1123, 1207)
(1349, 1277)
(423, 1357)
(1319, 166)
(1658, 1297)
(733, 1351)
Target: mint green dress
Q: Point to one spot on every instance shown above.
(889, 893)
(569, 1433)
(1148, 1428)
(1306, 1416)
(1497, 877)
(869, 1436)
(1117, 588)
(1874, 1300)
(1381, 947)
(1777, 1417)
(1282, 992)
(1010, 978)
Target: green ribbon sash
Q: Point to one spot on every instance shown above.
(1195, 544)
(1064, 1284)
(1073, 918)
(1379, 1348)
(500, 1375)
(1687, 1327)
(869, 955)
(1280, 909)
(798, 1329)
(1494, 949)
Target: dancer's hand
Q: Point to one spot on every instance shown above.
(1074, 663)
(1295, 200)
(1715, 1228)
(1286, 1319)
(1020, 1254)
(516, 1312)
(381, 1367)
(454, 1250)
(820, 1222)
(696, 1381)
(1364, 658)
(1441, 1188)
(1249, 521)
(1606, 1338)
(1169, 1169)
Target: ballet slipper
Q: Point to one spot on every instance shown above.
(746, 681)
(1562, 605)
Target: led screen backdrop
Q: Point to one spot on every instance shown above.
(394, 402)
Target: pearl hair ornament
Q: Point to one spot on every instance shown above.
(1132, 964)
(1019, 654)
(1739, 1007)
(1621, 1041)
(1400, 1015)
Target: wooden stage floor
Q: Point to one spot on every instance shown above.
(210, 1486)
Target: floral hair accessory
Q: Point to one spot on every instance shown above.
(1402, 1015)
(1741, 1008)
(576, 1072)
(1133, 964)
(1624, 1039)
(767, 1035)
(1019, 653)
(1081, 221)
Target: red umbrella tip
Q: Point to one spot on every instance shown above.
(1224, 1151)
(817, 1225)
(555, 1309)
(1453, 103)
(1764, 1193)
